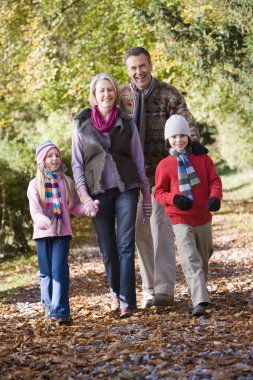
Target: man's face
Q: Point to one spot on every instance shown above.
(139, 69)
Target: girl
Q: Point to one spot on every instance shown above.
(189, 188)
(52, 197)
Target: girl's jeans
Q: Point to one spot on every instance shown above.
(54, 274)
(115, 228)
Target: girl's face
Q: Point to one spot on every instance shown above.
(53, 160)
(105, 95)
(179, 142)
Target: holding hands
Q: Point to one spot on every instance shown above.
(90, 206)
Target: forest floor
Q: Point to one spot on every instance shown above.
(157, 343)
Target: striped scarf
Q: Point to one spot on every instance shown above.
(53, 201)
(186, 174)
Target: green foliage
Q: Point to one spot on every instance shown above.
(52, 50)
(15, 221)
(208, 48)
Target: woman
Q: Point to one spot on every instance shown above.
(108, 168)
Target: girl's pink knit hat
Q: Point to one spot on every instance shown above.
(43, 149)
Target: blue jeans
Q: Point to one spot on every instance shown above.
(115, 228)
(54, 274)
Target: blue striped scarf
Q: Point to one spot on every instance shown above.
(53, 201)
(186, 174)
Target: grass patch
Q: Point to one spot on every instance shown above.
(18, 272)
(238, 186)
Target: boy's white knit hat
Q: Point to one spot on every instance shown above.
(176, 125)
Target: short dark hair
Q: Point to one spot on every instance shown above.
(137, 51)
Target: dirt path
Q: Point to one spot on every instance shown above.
(159, 343)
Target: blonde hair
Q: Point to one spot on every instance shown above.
(93, 86)
(41, 187)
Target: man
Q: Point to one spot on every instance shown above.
(151, 103)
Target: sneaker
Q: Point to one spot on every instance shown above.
(46, 311)
(115, 305)
(66, 321)
(163, 300)
(146, 304)
(125, 313)
(199, 310)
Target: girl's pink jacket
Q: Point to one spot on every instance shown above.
(36, 209)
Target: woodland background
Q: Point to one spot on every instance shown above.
(51, 50)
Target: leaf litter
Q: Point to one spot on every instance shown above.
(156, 343)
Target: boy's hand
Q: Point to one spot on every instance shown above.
(182, 202)
(213, 204)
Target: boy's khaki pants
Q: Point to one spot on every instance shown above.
(195, 247)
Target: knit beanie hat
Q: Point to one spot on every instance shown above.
(43, 149)
(176, 125)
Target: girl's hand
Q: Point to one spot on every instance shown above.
(43, 222)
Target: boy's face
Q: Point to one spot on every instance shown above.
(179, 142)
(53, 160)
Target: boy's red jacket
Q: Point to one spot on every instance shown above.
(166, 187)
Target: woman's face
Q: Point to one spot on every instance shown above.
(105, 95)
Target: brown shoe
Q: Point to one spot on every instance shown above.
(115, 305)
(125, 313)
(163, 300)
(146, 304)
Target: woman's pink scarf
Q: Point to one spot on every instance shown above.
(99, 121)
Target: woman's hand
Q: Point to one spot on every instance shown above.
(146, 206)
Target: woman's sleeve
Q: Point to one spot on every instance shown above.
(77, 159)
(138, 158)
